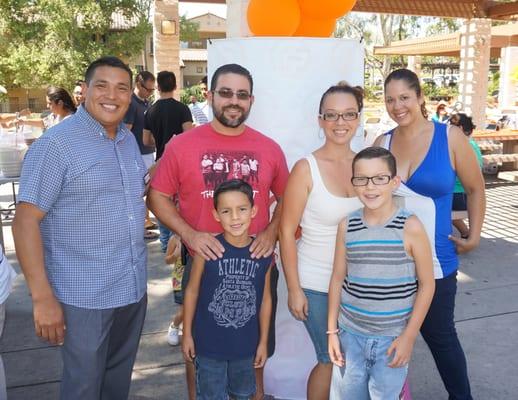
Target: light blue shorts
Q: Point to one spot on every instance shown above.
(366, 375)
(316, 323)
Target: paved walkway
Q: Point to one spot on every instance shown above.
(486, 315)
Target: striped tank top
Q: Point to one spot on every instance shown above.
(379, 289)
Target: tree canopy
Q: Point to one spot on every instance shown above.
(46, 42)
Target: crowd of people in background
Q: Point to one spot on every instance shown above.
(82, 220)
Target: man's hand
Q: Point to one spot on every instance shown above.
(298, 304)
(49, 322)
(205, 244)
(264, 243)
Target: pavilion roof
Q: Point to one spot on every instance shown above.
(449, 44)
(436, 8)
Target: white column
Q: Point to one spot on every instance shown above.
(414, 64)
(167, 46)
(508, 90)
(237, 24)
(475, 40)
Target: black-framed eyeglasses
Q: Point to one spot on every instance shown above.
(333, 116)
(148, 89)
(376, 180)
(229, 93)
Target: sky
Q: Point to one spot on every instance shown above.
(195, 9)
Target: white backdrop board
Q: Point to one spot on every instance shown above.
(290, 75)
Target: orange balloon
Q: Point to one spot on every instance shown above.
(326, 9)
(273, 17)
(311, 27)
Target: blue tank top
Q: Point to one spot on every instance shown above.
(435, 178)
(226, 323)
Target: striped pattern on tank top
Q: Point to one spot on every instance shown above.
(379, 290)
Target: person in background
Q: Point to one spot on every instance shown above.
(134, 120)
(7, 277)
(459, 194)
(60, 105)
(78, 233)
(319, 194)
(429, 155)
(78, 93)
(441, 114)
(200, 110)
(163, 120)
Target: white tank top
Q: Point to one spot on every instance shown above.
(319, 222)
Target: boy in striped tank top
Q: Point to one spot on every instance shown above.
(382, 251)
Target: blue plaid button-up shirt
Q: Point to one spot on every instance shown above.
(91, 188)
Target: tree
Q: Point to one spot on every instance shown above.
(188, 30)
(46, 42)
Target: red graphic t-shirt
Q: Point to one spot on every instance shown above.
(197, 161)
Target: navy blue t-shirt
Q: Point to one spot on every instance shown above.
(135, 117)
(226, 323)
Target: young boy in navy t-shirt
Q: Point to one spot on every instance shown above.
(227, 304)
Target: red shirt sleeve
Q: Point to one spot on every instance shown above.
(167, 175)
(281, 174)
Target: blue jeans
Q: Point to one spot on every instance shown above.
(316, 323)
(366, 375)
(165, 235)
(218, 379)
(438, 331)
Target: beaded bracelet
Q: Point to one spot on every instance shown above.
(333, 331)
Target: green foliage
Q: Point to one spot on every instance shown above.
(439, 26)
(186, 93)
(494, 83)
(514, 74)
(433, 92)
(188, 30)
(46, 42)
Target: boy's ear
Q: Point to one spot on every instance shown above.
(254, 211)
(396, 182)
(215, 215)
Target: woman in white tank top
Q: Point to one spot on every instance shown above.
(318, 195)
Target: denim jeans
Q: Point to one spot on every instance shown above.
(165, 235)
(218, 379)
(438, 331)
(366, 375)
(316, 323)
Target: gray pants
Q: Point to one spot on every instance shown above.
(99, 351)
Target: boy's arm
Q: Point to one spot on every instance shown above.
(264, 322)
(335, 287)
(418, 246)
(189, 307)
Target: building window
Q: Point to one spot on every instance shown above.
(32, 103)
(151, 46)
(139, 68)
(199, 70)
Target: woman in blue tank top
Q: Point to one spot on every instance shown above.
(429, 156)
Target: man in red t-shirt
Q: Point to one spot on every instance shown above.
(194, 163)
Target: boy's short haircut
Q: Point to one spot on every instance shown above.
(234, 185)
(377, 152)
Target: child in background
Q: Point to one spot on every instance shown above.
(459, 195)
(173, 256)
(381, 252)
(228, 304)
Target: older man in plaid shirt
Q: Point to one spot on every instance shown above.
(79, 237)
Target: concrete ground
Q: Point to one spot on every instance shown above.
(486, 315)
